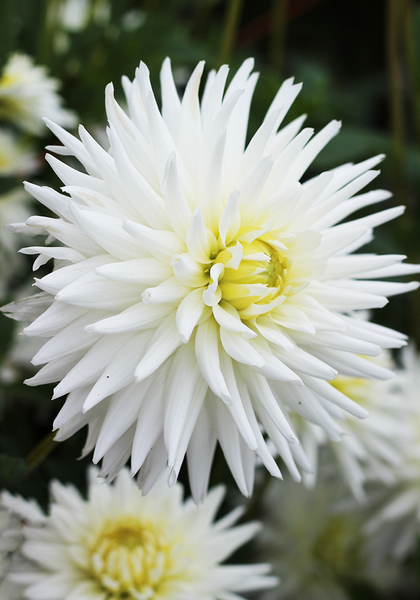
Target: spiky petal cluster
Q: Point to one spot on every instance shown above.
(119, 544)
(208, 287)
(371, 449)
(27, 94)
(395, 524)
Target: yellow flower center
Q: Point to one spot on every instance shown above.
(259, 278)
(131, 559)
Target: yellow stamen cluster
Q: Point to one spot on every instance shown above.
(259, 278)
(131, 559)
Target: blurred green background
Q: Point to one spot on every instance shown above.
(359, 62)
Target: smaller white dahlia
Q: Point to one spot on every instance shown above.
(395, 525)
(27, 94)
(119, 544)
(316, 543)
(370, 449)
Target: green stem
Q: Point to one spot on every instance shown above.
(50, 20)
(229, 33)
(394, 34)
(41, 451)
(278, 33)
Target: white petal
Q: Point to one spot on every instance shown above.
(189, 313)
(207, 353)
(201, 243)
(138, 316)
(165, 340)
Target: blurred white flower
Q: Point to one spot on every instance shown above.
(133, 19)
(119, 544)
(17, 360)
(14, 206)
(395, 525)
(17, 160)
(370, 449)
(15, 157)
(27, 94)
(207, 286)
(74, 15)
(316, 543)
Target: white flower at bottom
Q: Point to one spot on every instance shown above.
(27, 94)
(119, 544)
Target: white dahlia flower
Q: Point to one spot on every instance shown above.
(120, 544)
(317, 544)
(208, 287)
(395, 524)
(370, 449)
(27, 94)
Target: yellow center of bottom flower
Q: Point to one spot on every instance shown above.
(130, 559)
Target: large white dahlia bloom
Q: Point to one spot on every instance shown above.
(207, 289)
(120, 544)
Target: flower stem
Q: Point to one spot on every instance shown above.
(229, 33)
(50, 19)
(41, 451)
